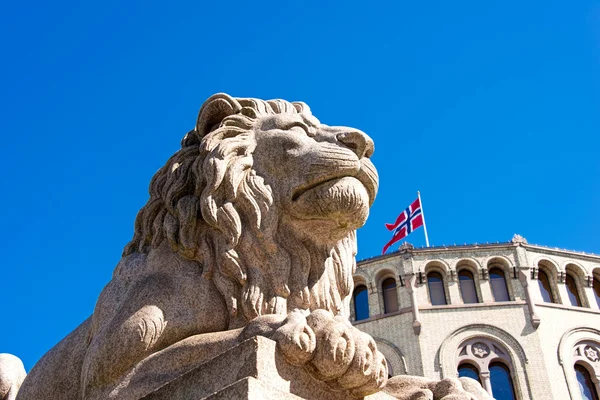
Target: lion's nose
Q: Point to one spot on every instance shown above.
(358, 141)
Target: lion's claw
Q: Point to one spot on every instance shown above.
(335, 351)
(296, 339)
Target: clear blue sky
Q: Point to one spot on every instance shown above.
(490, 110)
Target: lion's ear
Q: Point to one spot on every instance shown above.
(301, 107)
(217, 107)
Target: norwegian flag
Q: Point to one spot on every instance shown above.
(408, 220)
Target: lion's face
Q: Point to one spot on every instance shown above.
(267, 200)
(320, 175)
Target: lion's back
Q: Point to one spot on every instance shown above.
(56, 376)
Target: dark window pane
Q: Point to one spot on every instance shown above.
(390, 295)
(437, 293)
(597, 290)
(502, 386)
(572, 291)
(586, 385)
(467, 287)
(361, 302)
(390, 370)
(498, 284)
(544, 284)
(468, 371)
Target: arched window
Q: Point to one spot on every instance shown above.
(586, 385)
(545, 289)
(572, 291)
(501, 381)
(390, 295)
(467, 287)
(361, 302)
(498, 283)
(488, 362)
(468, 371)
(597, 290)
(437, 292)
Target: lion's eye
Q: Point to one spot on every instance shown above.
(297, 128)
(301, 127)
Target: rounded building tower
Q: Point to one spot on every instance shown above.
(523, 320)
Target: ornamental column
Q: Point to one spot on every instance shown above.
(412, 287)
(485, 382)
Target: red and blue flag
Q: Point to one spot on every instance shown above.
(408, 220)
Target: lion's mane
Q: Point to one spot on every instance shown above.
(211, 207)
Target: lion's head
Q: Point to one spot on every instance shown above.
(267, 200)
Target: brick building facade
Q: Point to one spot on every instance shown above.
(528, 310)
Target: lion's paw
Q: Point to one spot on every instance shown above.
(333, 351)
(344, 357)
(406, 387)
(451, 389)
(295, 339)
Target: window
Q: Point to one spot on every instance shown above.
(488, 362)
(498, 283)
(361, 302)
(390, 295)
(572, 291)
(597, 290)
(468, 371)
(437, 293)
(545, 289)
(389, 365)
(467, 287)
(502, 385)
(581, 364)
(586, 385)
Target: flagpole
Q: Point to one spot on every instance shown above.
(423, 215)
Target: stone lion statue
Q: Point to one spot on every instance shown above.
(249, 230)
(12, 374)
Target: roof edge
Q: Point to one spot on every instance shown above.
(409, 249)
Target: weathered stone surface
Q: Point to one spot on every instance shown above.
(250, 388)
(12, 374)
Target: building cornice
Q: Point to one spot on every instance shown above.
(563, 252)
(434, 250)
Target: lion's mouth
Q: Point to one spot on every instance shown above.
(299, 192)
(366, 175)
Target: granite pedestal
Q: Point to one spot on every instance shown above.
(254, 369)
